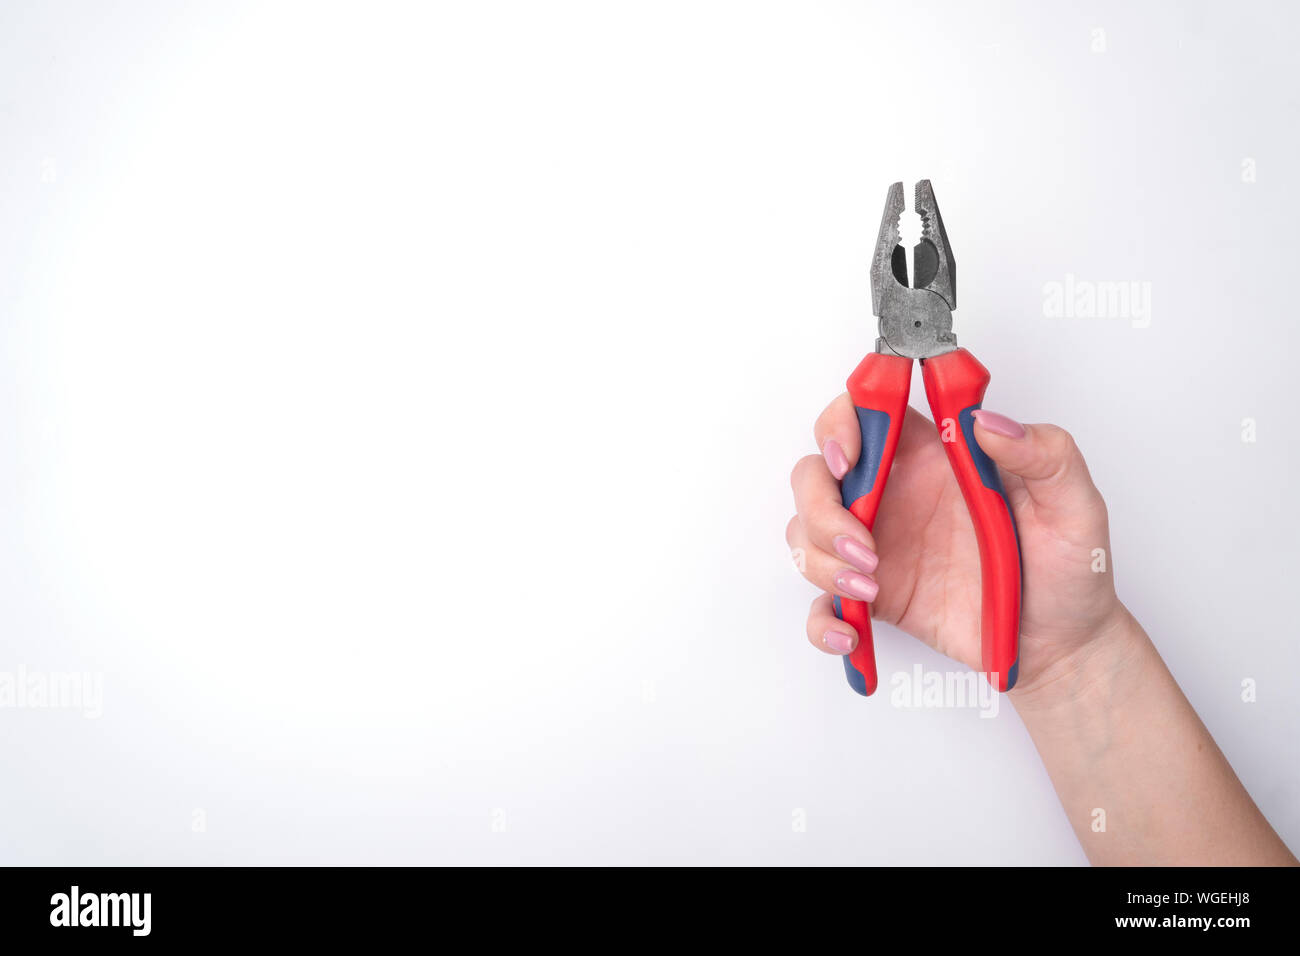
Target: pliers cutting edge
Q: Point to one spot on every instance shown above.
(916, 323)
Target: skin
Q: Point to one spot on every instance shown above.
(1110, 723)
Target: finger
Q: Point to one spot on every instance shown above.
(828, 633)
(828, 524)
(838, 436)
(829, 572)
(1045, 457)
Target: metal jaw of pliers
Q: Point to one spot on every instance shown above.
(915, 320)
(916, 323)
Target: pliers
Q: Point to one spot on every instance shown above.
(916, 323)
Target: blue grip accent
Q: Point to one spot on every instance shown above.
(856, 680)
(989, 476)
(988, 471)
(874, 425)
(983, 463)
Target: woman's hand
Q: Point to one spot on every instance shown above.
(926, 579)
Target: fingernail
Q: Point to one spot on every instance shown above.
(999, 424)
(857, 585)
(838, 641)
(836, 460)
(856, 553)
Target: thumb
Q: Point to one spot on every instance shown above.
(1045, 457)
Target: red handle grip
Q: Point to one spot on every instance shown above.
(879, 388)
(955, 384)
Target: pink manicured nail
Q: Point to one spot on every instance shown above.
(838, 641)
(856, 553)
(999, 424)
(857, 585)
(836, 460)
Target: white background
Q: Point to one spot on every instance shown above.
(398, 402)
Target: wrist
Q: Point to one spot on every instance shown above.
(1097, 669)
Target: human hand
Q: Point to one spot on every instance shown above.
(926, 579)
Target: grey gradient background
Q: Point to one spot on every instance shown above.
(398, 403)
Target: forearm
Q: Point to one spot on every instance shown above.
(1117, 736)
